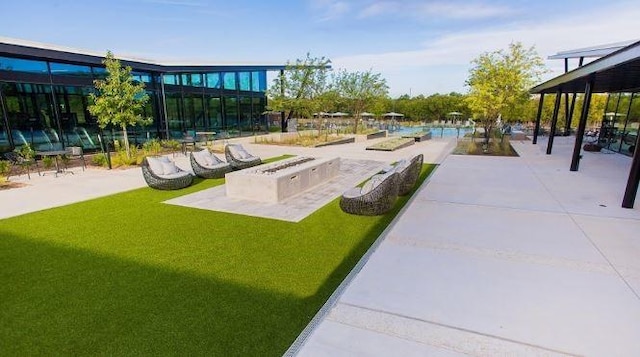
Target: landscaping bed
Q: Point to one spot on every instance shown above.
(419, 136)
(337, 142)
(392, 144)
(376, 135)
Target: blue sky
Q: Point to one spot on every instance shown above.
(420, 47)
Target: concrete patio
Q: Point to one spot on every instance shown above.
(497, 256)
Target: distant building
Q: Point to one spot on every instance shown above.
(44, 94)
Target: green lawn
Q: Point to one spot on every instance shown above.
(129, 275)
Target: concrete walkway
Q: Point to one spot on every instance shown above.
(498, 256)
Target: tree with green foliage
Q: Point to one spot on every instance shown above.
(119, 100)
(499, 83)
(360, 90)
(297, 90)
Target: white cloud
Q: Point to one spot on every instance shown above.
(379, 8)
(330, 9)
(188, 3)
(613, 23)
(462, 11)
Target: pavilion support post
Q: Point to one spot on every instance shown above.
(575, 159)
(572, 107)
(536, 129)
(567, 118)
(554, 120)
(634, 178)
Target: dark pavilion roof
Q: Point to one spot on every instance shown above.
(619, 71)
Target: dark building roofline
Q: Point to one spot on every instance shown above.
(33, 50)
(617, 71)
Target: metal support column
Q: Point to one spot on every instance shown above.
(536, 129)
(554, 120)
(575, 160)
(283, 126)
(634, 178)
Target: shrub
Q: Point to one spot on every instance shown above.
(152, 147)
(472, 147)
(99, 160)
(4, 170)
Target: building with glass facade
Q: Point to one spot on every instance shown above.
(616, 72)
(44, 95)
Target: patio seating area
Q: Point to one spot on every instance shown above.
(163, 174)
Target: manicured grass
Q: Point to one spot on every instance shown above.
(129, 275)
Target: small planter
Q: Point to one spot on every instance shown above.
(392, 145)
(420, 136)
(337, 142)
(380, 134)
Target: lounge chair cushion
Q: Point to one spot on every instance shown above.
(352, 192)
(155, 164)
(174, 175)
(169, 168)
(373, 182)
(203, 158)
(239, 152)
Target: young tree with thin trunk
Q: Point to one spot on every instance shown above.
(360, 90)
(297, 89)
(499, 83)
(119, 100)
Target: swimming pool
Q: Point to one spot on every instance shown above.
(435, 132)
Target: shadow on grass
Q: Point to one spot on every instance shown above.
(188, 286)
(62, 301)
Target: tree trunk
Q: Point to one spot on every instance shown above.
(125, 137)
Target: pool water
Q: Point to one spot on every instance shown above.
(435, 132)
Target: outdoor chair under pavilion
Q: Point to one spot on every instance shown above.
(375, 197)
(408, 172)
(161, 173)
(207, 165)
(239, 158)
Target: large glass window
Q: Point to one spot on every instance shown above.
(171, 79)
(245, 80)
(214, 114)
(231, 116)
(31, 116)
(174, 114)
(229, 79)
(192, 79)
(213, 80)
(141, 76)
(193, 112)
(23, 65)
(629, 135)
(5, 145)
(245, 114)
(65, 69)
(259, 81)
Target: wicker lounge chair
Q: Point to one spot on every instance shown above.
(239, 158)
(207, 165)
(408, 174)
(162, 174)
(17, 159)
(376, 197)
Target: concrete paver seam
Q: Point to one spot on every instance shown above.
(437, 334)
(584, 233)
(507, 255)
